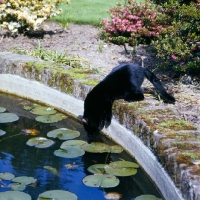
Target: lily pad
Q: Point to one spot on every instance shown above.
(14, 195)
(2, 132)
(2, 109)
(147, 197)
(7, 176)
(122, 168)
(43, 110)
(40, 142)
(97, 169)
(17, 186)
(27, 107)
(26, 180)
(58, 195)
(116, 149)
(63, 134)
(96, 147)
(8, 117)
(101, 180)
(49, 118)
(69, 152)
(72, 143)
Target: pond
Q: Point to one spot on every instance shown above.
(51, 171)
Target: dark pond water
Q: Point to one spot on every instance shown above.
(22, 160)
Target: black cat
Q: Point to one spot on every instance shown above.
(123, 82)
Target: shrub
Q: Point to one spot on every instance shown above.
(178, 46)
(20, 15)
(173, 29)
(132, 23)
(181, 2)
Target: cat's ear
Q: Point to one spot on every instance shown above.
(84, 120)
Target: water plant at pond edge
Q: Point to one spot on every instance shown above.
(55, 56)
(47, 167)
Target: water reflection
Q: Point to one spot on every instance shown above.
(22, 160)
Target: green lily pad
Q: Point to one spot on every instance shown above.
(14, 195)
(2, 132)
(26, 180)
(69, 152)
(72, 143)
(58, 195)
(96, 147)
(147, 197)
(40, 142)
(17, 186)
(8, 117)
(122, 168)
(101, 180)
(27, 107)
(7, 176)
(2, 109)
(116, 149)
(43, 110)
(97, 169)
(49, 118)
(63, 134)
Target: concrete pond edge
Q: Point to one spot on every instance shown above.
(38, 80)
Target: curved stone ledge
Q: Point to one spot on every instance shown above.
(138, 127)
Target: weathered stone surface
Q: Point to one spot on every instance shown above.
(174, 141)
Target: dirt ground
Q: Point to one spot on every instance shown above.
(83, 41)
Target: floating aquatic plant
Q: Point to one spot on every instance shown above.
(40, 142)
(72, 143)
(17, 186)
(97, 169)
(49, 118)
(14, 195)
(147, 197)
(98, 147)
(26, 180)
(7, 176)
(2, 109)
(101, 180)
(2, 132)
(8, 117)
(121, 168)
(69, 152)
(43, 110)
(63, 134)
(58, 195)
(52, 169)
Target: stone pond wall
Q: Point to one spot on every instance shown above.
(174, 142)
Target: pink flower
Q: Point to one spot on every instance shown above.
(182, 64)
(174, 57)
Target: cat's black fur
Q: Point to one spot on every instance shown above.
(123, 82)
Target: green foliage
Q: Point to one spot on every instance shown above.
(160, 2)
(172, 28)
(132, 23)
(177, 48)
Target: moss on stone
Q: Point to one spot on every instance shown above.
(177, 125)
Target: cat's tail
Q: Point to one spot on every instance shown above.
(158, 85)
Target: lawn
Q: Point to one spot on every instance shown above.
(86, 11)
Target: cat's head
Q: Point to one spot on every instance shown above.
(92, 126)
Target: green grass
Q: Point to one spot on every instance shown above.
(85, 11)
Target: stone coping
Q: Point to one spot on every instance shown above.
(152, 132)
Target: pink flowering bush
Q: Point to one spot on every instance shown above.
(172, 29)
(132, 23)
